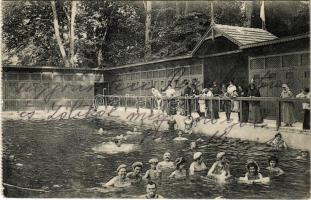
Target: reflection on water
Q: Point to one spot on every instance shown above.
(72, 155)
(112, 148)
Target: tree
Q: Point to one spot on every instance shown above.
(148, 9)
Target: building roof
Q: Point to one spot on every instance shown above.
(277, 41)
(245, 36)
(240, 36)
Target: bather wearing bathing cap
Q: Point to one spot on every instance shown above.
(121, 166)
(137, 164)
(220, 155)
(153, 160)
(197, 155)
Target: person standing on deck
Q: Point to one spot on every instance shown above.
(158, 97)
(187, 94)
(202, 103)
(306, 108)
(244, 110)
(254, 115)
(170, 94)
(287, 107)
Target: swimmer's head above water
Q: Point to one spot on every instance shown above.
(122, 171)
(273, 161)
(153, 163)
(137, 167)
(167, 156)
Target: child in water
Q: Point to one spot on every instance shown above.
(188, 124)
(277, 142)
(153, 173)
(180, 171)
(273, 167)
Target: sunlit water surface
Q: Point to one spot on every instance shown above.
(68, 158)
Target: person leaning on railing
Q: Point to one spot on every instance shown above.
(287, 107)
(306, 108)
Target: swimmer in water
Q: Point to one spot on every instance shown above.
(166, 166)
(277, 142)
(180, 138)
(273, 168)
(134, 132)
(121, 180)
(220, 167)
(180, 171)
(252, 171)
(193, 145)
(198, 167)
(151, 191)
(188, 124)
(303, 155)
(153, 173)
(135, 176)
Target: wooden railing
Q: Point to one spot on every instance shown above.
(148, 102)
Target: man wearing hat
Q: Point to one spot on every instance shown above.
(198, 167)
(121, 180)
(153, 173)
(220, 167)
(135, 176)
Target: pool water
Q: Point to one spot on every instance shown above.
(63, 158)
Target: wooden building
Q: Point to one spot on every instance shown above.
(224, 53)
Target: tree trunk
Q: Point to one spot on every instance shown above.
(148, 7)
(248, 13)
(57, 35)
(72, 32)
(100, 50)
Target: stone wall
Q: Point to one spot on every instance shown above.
(27, 88)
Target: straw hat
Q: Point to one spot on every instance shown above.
(220, 155)
(137, 164)
(153, 160)
(121, 166)
(197, 155)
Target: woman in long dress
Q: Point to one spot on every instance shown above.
(287, 107)
(255, 115)
(202, 105)
(244, 110)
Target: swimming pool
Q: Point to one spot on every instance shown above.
(61, 158)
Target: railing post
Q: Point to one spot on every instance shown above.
(145, 102)
(278, 114)
(125, 107)
(240, 111)
(186, 104)
(137, 104)
(151, 105)
(106, 101)
(211, 106)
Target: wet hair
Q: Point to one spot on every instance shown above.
(152, 183)
(306, 90)
(273, 158)
(252, 165)
(278, 134)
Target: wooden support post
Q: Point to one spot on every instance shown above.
(240, 111)
(211, 109)
(278, 114)
(151, 104)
